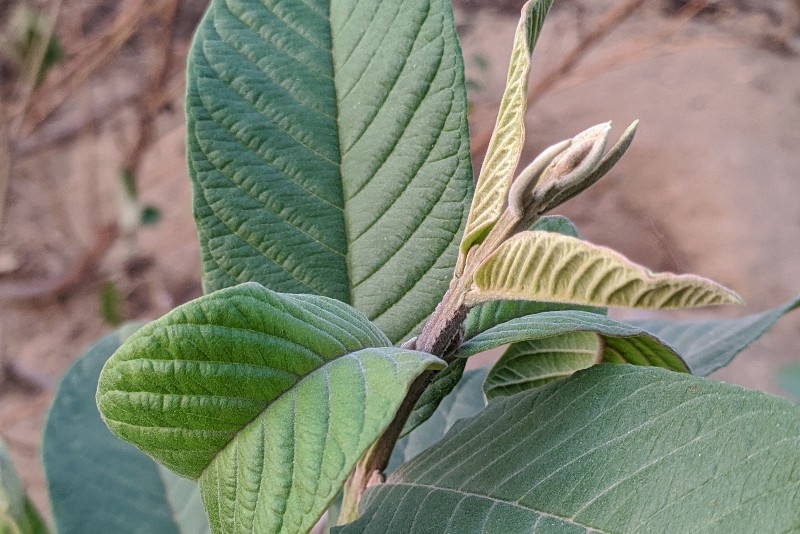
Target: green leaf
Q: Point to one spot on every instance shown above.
(465, 400)
(622, 343)
(614, 448)
(17, 514)
(508, 137)
(268, 399)
(708, 345)
(329, 152)
(556, 268)
(531, 364)
(98, 483)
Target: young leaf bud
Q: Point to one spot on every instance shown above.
(521, 191)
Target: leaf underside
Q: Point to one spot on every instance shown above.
(614, 448)
(531, 364)
(709, 345)
(98, 483)
(545, 266)
(328, 151)
(508, 137)
(268, 399)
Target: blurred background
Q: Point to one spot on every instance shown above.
(95, 202)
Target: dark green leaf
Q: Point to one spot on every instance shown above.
(98, 483)
(615, 448)
(709, 345)
(328, 149)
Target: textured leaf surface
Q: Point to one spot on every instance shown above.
(489, 314)
(557, 268)
(531, 364)
(328, 149)
(268, 399)
(615, 448)
(98, 483)
(508, 137)
(17, 514)
(622, 343)
(708, 345)
(465, 400)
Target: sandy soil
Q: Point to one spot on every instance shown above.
(710, 186)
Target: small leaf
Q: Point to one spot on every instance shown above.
(17, 514)
(508, 138)
(531, 364)
(268, 399)
(556, 268)
(489, 314)
(98, 483)
(709, 345)
(465, 400)
(615, 448)
(622, 343)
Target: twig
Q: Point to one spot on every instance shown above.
(50, 95)
(60, 285)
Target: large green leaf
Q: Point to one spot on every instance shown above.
(464, 400)
(328, 149)
(268, 399)
(708, 345)
(17, 514)
(97, 482)
(508, 137)
(621, 343)
(616, 448)
(557, 268)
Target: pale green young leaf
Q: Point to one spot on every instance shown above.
(530, 364)
(508, 137)
(613, 449)
(556, 268)
(622, 343)
(267, 399)
(329, 152)
(98, 483)
(489, 314)
(17, 514)
(709, 345)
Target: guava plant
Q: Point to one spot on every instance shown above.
(350, 271)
